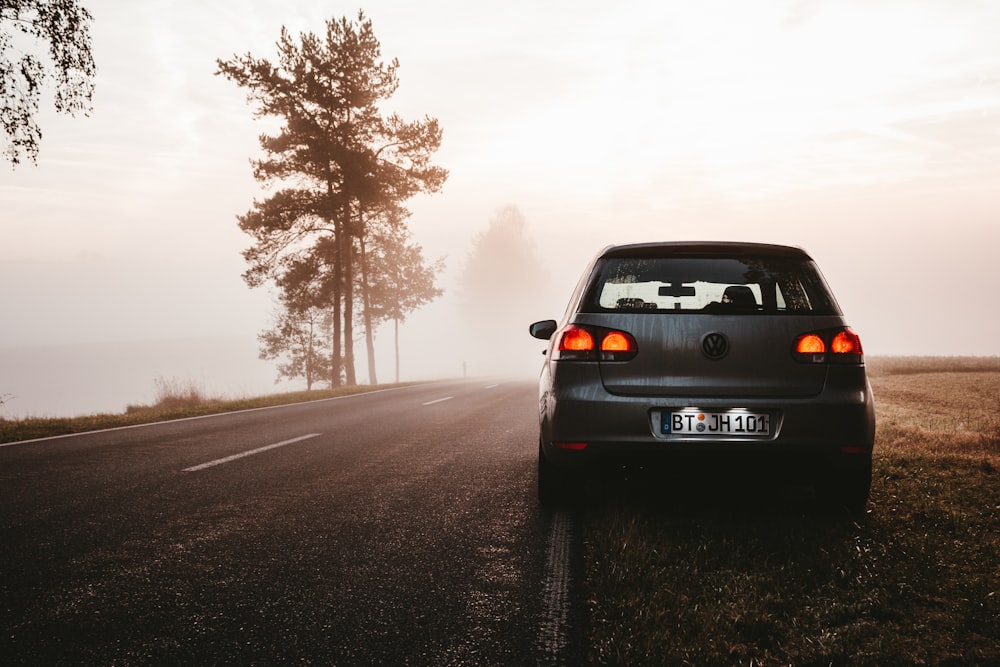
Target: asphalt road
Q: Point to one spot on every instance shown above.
(391, 528)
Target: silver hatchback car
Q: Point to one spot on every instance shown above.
(703, 357)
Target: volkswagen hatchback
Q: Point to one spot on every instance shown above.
(705, 356)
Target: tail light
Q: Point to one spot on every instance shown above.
(576, 339)
(617, 341)
(846, 342)
(578, 343)
(810, 344)
(838, 346)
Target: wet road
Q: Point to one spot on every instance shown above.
(397, 527)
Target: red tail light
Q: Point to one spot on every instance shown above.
(810, 344)
(846, 342)
(575, 339)
(618, 341)
(578, 343)
(841, 346)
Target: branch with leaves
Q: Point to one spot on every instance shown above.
(62, 27)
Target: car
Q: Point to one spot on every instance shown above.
(707, 358)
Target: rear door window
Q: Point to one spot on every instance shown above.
(724, 285)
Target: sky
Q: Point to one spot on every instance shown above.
(865, 131)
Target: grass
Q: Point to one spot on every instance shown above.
(768, 578)
(174, 400)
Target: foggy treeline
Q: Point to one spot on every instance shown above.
(502, 284)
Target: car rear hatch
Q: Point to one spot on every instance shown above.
(710, 319)
(713, 355)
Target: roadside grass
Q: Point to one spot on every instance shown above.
(751, 576)
(173, 400)
(914, 365)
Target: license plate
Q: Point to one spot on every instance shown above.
(729, 422)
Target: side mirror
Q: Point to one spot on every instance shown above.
(543, 329)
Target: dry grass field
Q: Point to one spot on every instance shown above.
(944, 412)
(776, 580)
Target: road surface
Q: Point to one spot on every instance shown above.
(398, 527)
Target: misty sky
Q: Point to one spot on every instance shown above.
(866, 131)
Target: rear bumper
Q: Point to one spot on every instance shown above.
(834, 429)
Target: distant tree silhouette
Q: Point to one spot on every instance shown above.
(63, 26)
(337, 162)
(501, 282)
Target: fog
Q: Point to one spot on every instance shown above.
(864, 132)
(102, 331)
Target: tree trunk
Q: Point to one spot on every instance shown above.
(395, 322)
(336, 358)
(309, 357)
(338, 227)
(366, 304)
(350, 378)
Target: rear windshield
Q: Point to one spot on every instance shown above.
(773, 285)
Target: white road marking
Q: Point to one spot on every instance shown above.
(555, 590)
(249, 453)
(217, 415)
(491, 386)
(440, 400)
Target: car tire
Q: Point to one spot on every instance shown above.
(555, 485)
(849, 490)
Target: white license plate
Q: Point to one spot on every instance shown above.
(730, 422)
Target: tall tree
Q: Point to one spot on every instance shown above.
(335, 158)
(26, 27)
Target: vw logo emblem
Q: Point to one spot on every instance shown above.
(714, 345)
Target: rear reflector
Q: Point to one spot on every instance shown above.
(573, 446)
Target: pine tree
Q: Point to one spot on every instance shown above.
(335, 160)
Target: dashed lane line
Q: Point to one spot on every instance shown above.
(249, 453)
(440, 400)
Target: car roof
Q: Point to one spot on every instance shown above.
(725, 248)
